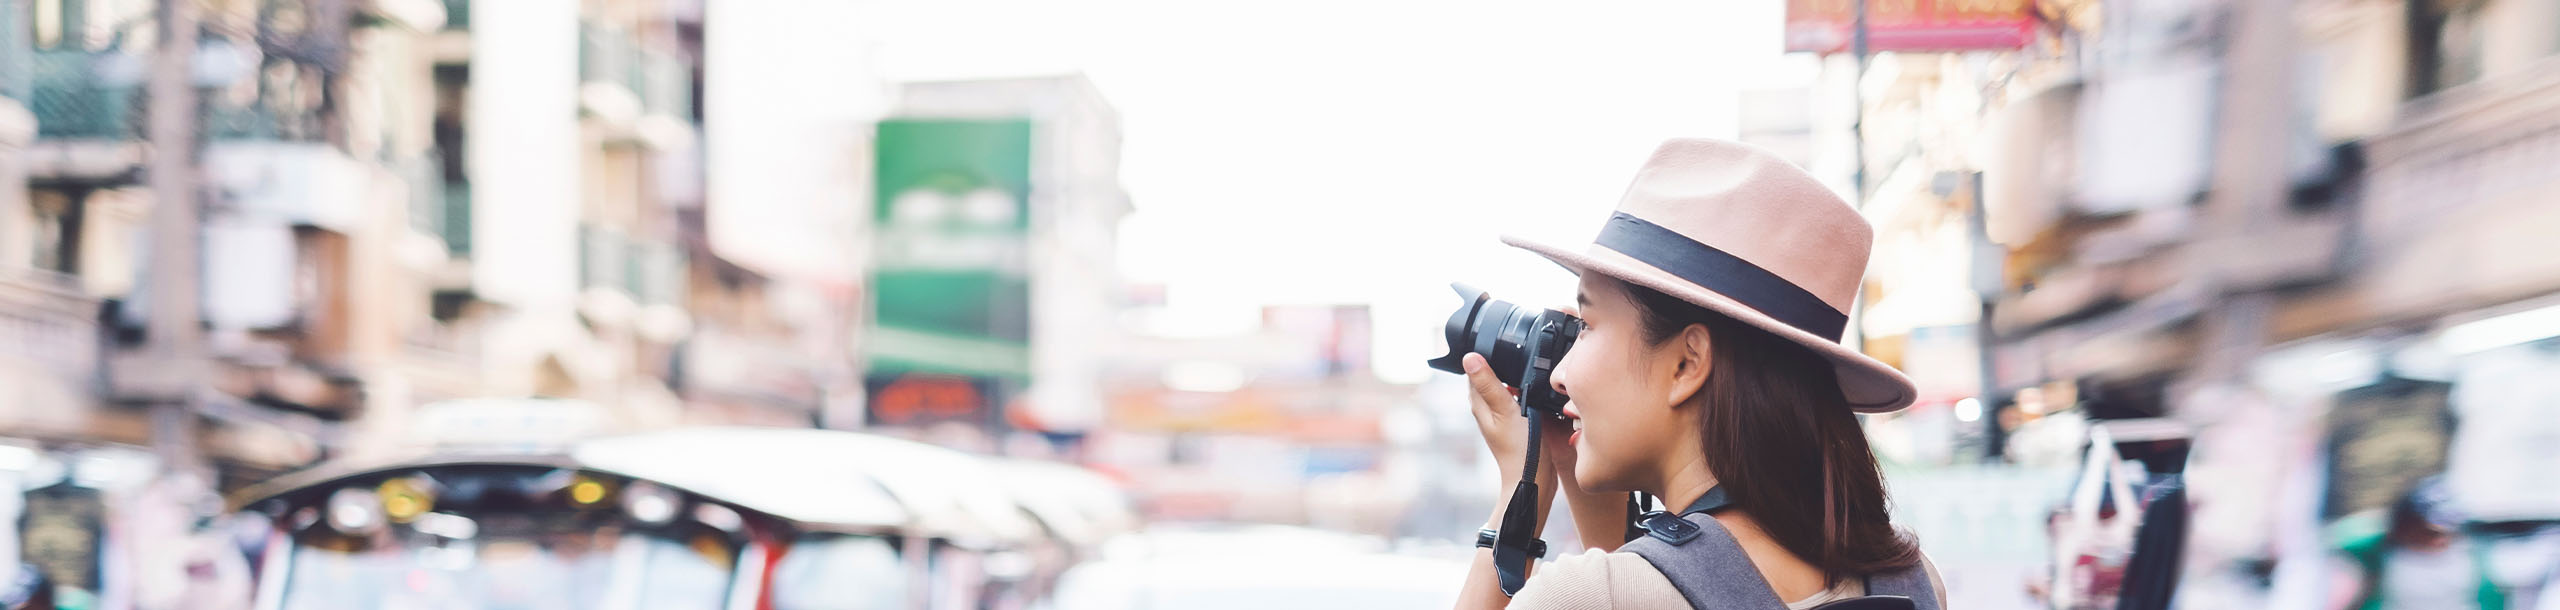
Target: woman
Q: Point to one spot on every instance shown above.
(2420, 559)
(1709, 374)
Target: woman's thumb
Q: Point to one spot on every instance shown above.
(1479, 374)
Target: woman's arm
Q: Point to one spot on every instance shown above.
(1505, 433)
(1484, 584)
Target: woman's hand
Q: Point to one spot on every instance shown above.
(1557, 450)
(1497, 411)
(1506, 433)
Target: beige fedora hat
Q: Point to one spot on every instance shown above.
(1740, 232)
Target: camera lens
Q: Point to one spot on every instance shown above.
(1484, 325)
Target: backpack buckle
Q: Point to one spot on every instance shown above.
(1671, 528)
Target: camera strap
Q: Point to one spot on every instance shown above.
(1638, 503)
(1519, 531)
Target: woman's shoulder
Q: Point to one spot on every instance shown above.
(1937, 585)
(1595, 579)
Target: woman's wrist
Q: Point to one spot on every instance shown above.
(1502, 503)
(1510, 486)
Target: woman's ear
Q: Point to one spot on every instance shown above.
(1693, 354)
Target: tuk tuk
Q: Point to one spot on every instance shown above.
(736, 518)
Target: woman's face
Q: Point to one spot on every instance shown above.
(1622, 394)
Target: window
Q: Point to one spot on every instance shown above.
(56, 235)
(2444, 44)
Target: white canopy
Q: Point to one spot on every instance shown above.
(825, 477)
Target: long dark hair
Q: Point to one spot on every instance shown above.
(1783, 444)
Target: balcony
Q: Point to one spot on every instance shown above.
(601, 254)
(2456, 214)
(45, 320)
(649, 272)
(2471, 145)
(633, 283)
(86, 94)
(437, 206)
(628, 82)
(665, 85)
(16, 57)
(101, 95)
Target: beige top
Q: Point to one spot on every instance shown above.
(1595, 580)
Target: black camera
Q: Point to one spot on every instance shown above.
(1521, 345)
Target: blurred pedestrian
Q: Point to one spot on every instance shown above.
(1710, 373)
(29, 591)
(181, 560)
(2420, 559)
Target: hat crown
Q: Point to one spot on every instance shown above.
(1761, 209)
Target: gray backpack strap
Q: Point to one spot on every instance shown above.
(1711, 570)
(1911, 582)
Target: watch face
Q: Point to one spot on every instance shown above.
(1670, 528)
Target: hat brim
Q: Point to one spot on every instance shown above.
(1868, 384)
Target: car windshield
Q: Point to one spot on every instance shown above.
(522, 570)
(504, 538)
(839, 572)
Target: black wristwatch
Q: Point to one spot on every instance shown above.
(1484, 540)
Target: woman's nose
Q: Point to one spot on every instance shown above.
(1563, 372)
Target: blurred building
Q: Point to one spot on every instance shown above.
(274, 171)
(2313, 231)
(2369, 184)
(994, 282)
(1284, 424)
(368, 207)
(360, 253)
(577, 152)
(200, 279)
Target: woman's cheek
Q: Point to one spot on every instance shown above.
(1568, 375)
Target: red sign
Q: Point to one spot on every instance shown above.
(925, 398)
(1827, 26)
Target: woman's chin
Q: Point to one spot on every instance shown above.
(1594, 478)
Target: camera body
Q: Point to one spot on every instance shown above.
(1521, 345)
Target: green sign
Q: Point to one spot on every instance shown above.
(951, 263)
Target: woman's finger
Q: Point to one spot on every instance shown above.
(1559, 455)
(1489, 388)
(1559, 441)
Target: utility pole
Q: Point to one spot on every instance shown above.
(1858, 146)
(1858, 103)
(1989, 260)
(175, 331)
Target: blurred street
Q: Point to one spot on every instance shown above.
(1004, 304)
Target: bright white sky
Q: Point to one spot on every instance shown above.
(1333, 151)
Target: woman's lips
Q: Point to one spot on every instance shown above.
(1575, 418)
